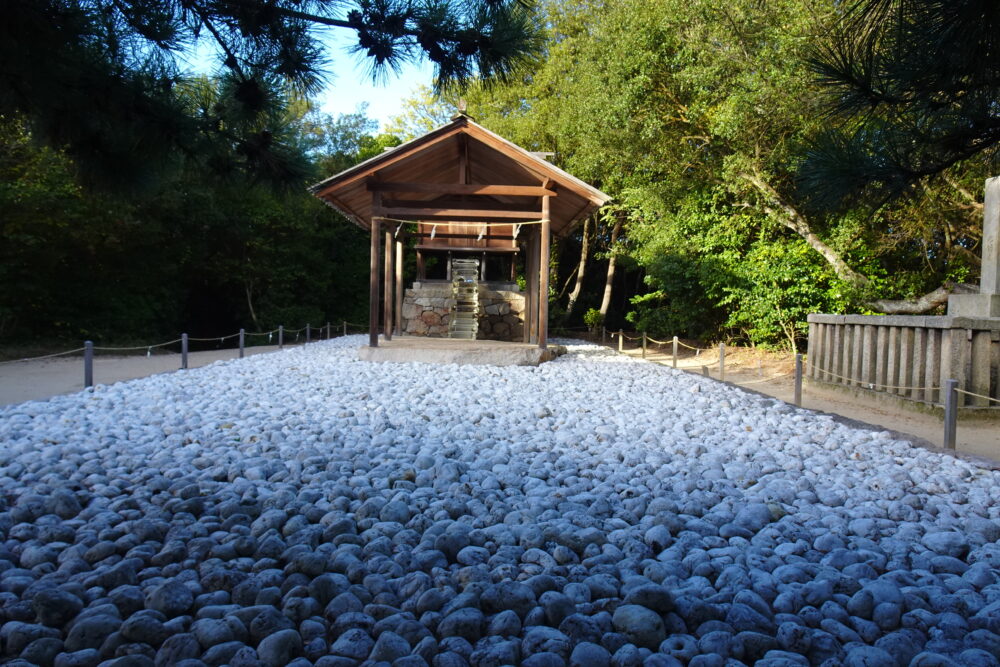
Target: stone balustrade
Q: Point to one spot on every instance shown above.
(907, 356)
(427, 310)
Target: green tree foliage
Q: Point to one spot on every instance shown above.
(694, 115)
(100, 78)
(200, 252)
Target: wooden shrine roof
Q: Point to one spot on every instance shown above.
(459, 172)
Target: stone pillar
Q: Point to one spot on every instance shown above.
(838, 342)
(906, 360)
(932, 371)
(919, 375)
(987, 302)
(881, 356)
(980, 368)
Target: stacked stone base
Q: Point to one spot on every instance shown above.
(427, 309)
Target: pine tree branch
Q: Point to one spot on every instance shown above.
(923, 304)
(795, 221)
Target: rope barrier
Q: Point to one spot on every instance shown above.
(150, 348)
(44, 356)
(775, 377)
(871, 385)
(256, 333)
(218, 338)
(969, 393)
(138, 347)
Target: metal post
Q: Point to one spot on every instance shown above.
(184, 352)
(621, 340)
(308, 333)
(243, 337)
(950, 413)
(643, 344)
(345, 327)
(328, 331)
(675, 351)
(281, 336)
(798, 380)
(604, 335)
(722, 361)
(88, 363)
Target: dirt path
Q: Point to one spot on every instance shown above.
(38, 380)
(772, 374)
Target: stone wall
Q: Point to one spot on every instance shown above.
(427, 311)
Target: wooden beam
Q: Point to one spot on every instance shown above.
(383, 160)
(453, 214)
(463, 159)
(373, 285)
(464, 189)
(387, 282)
(487, 206)
(543, 277)
(399, 287)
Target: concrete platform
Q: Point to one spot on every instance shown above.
(421, 349)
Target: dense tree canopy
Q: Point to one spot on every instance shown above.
(705, 121)
(197, 252)
(695, 115)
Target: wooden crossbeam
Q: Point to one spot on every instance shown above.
(454, 213)
(455, 203)
(464, 189)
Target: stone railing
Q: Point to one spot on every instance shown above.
(427, 308)
(908, 356)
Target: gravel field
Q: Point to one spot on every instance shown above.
(304, 508)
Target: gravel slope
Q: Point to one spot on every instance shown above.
(306, 508)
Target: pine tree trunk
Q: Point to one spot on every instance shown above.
(581, 269)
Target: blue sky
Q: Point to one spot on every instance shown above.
(349, 83)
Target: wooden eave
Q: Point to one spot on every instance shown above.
(501, 182)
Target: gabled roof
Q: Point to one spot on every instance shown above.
(439, 158)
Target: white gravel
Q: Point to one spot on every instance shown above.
(305, 508)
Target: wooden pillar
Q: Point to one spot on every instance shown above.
(421, 269)
(447, 268)
(543, 276)
(373, 293)
(531, 298)
(387, 281)
(482, 268)
(398, 318)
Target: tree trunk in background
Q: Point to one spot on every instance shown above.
(253, 315)
(581, 269)
(606, 302)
